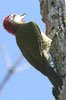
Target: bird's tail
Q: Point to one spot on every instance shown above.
(54, 77)
(51, 74)
(55, 80)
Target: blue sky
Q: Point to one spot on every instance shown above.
(29, 84)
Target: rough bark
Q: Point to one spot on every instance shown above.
(54, 16)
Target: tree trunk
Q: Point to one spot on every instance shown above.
(54, 16)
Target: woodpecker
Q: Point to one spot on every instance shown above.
(33, 45)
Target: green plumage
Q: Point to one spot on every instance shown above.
(28, 42)
(31, 43)
(26, 36)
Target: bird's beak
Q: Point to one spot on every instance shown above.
(23, 16)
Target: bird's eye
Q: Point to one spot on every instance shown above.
(14, 16)
(11, 18)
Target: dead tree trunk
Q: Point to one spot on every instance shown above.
(54, 16)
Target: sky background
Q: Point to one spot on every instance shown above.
(29, 84)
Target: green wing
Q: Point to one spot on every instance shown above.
(28, 38)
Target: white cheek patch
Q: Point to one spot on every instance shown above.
(17, 19)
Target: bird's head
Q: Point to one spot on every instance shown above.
(11, 22)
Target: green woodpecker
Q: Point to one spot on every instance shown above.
(33, 45)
